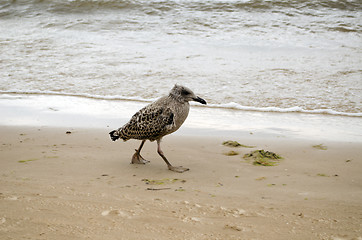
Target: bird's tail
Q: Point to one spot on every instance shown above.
(114, 135)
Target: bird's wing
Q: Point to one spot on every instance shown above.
(151, 122)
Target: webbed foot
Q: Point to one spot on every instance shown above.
(138, 159)
(178, 169)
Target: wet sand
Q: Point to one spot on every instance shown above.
(81, 185)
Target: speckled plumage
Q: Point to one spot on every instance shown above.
(158, 119)
(151, 122)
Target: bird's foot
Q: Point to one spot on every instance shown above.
(178, 169)
(138, 159)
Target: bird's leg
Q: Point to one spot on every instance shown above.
(170, 167)
(137, 158)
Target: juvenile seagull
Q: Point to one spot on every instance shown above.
(156, 120)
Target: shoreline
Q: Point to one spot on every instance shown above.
(60, 111)
(226, 106)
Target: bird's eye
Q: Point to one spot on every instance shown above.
(185, 92)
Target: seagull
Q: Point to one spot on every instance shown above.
(156, 120)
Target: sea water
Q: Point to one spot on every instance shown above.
(259, 55)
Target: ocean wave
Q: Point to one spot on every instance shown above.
(81, 95)
(71, 6)
(296, 109)
(344, 29)
(230, 105)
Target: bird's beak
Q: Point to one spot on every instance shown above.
(200, 100)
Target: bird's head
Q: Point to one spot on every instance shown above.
(185, 94)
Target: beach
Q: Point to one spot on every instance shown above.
(73, 182)
(279, 77)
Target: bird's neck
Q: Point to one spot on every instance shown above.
(176, 97)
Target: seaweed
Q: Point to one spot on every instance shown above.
(27, 160)
(157, 189)
(320, 147)
(260, 178)
(263, 158)
(231, 153)
(180, 189)
(162, 181)
(322, 175)
(230, 143)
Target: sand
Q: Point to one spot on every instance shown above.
(80, 185)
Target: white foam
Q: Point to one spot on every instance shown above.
(230, 105)
(295, 109)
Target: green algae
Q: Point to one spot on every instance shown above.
(162, 181)
(230, 143)
(260, 178)
(263, 158)
(320, 147)
(27, 160)
(322, 175)
(231, 153)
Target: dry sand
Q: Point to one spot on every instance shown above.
(82, 186)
